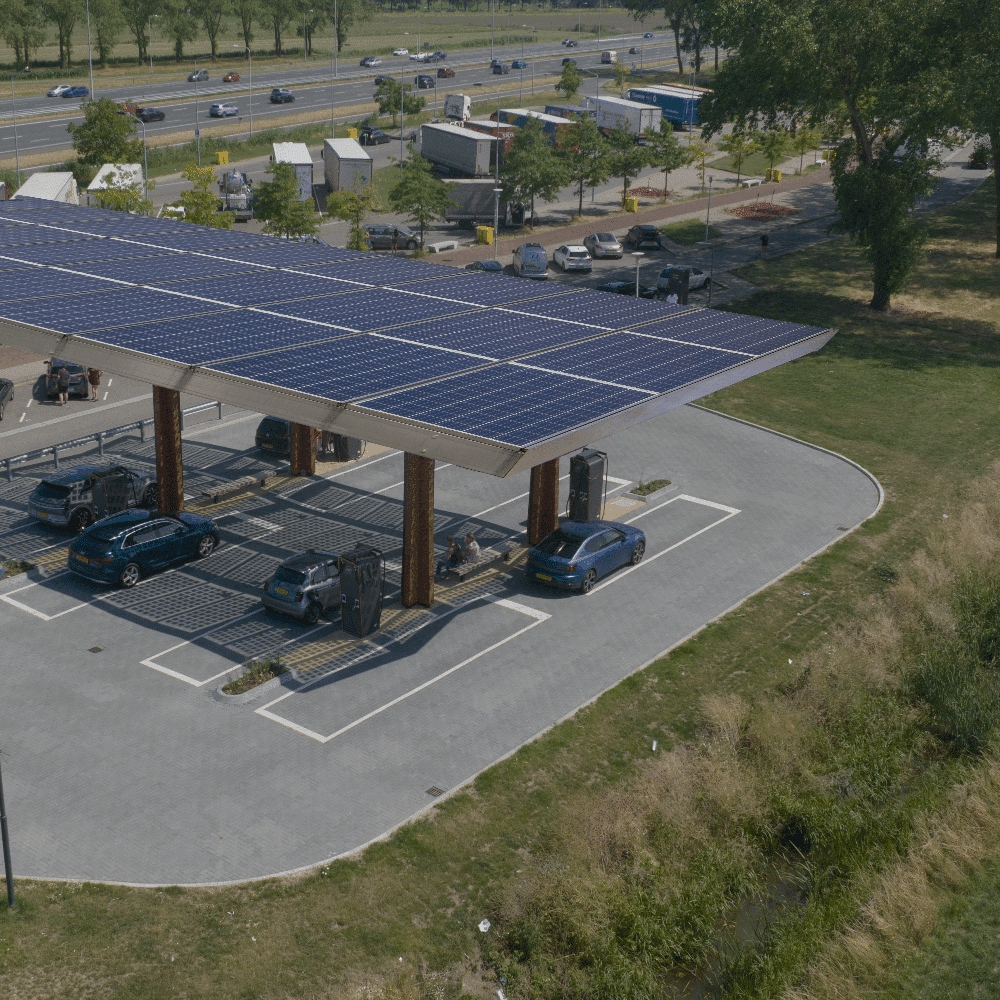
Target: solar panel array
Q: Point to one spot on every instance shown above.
(506, 359)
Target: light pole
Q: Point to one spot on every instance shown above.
(250, 84)
(145, 159)
(493, 29)
(13, 108)
(336, 40)
(711, 270)
(90, 49)
(7, 867)
(637, 254)
(496, 204)
(708, 211)
(197, 129)
(304, 32)
(151, 16)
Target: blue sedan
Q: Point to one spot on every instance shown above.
(579, 552)
(124, 548)
(518, 64)
(75, 92)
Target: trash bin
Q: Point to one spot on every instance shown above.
(631, 204)
(352, 133)
(776, 175)
(222, 157)
(484, 234)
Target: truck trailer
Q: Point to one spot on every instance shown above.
(552, 125)
(506, 133)
(346, 165)
(473, 205)
(297, 154)
(678, 105)
(615, 112)
(459, 151)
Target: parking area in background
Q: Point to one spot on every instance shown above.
(117, 743)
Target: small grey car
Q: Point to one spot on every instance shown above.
(305, 586)
(78, 497)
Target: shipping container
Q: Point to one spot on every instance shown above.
(297, 154)
(459, 151)
(678, 105)
(346, 165)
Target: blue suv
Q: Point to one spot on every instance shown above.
(578, 552)
(125, 548)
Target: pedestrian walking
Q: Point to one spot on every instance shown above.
(94, 378)
(63, 378)
(763, 246)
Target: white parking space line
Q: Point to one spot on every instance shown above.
(731, 512)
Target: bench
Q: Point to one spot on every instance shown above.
(749, 182)
(487, 557)
(441, 246)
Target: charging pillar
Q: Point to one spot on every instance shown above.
(418, 531)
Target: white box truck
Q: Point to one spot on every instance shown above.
(346, 165)
(458, 107)
(461, 152)
(616, 112)
(297, 154)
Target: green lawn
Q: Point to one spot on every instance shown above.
(752, 165)
(688, 232)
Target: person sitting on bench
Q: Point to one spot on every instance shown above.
(452, 557)
(471, 548)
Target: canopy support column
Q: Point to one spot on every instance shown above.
(543, 501)
(169, 470)
(418, 531)
(301, 449)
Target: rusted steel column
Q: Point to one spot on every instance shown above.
(302, 451)
(418, 531)
(169, 471)
(543, 501)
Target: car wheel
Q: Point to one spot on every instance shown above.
(588, 581)
(411, 244)
(311, 615)
(637, 553)
(80, 519)
(151, 496)
(130, 575)
(206, 546)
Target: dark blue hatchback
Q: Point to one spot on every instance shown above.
(579, 552)
(124, 548)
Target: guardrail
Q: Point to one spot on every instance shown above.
(100, 437)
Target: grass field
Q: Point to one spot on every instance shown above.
(689, 231)
(782, 724)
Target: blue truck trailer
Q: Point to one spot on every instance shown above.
(551, 124)
(678, 105)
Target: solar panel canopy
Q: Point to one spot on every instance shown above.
(492, 373)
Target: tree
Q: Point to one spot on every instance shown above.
(773, 144)
(105, 136)
(107, 23)
(585, 154)
(64, 14)
(22, 28)
(210, 13)
(804, 141)
(699, 150)
(181, 24)
(739, 145)
(881, 63)
(666, 152)
(532, 168)
(123, 194)
(201, 204)
(347, 13)
(418, 194)
(387, 99)
(246, 11)
(278, 204)
(278, 14)
(353, 207)
(136, 14)
(569, 82)
(625, 158)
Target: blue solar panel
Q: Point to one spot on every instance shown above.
(731, 331)
(371, 270)
(76, 313)
(260, 287)
(165, 268)
(15, 236)
(40, 282)
(509, 403)
(350, 368)
(490, 289)
(289, 254)
(73, 252)
(207, 239)
(370, 309)
(602, 308)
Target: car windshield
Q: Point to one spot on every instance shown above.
(70, 366)
(558, 544)
(52, 491)
(606, 238)
(105, 532)
(285, 575)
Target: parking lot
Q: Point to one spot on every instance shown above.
(123, 764)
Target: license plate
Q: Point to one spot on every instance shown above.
(542, 576)
(281, 590)
(82, 559)
(41, 513)
(266, 446)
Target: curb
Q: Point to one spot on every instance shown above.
(654, 496)
(282, 680)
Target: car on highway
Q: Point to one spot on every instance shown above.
(384, 78)
(568, 61)
(400, 52)
(231, 78)
(58, 90)
(499, 69)
(424, 81)
(648, 34)
(488, 266)
(381, 237)
(123, 549)
(628, 288)
(78, 497)
(197, 75)
(603, 245)
(578, 553)
(444, 73)
(633, 51)
(305, 586)
(696, 279)
(371, 61)
(572, 258)
(75, 92)
(440, 55)
(151, 115)
(420, 56)
(569, 43)
(643, 238)
(280, 95)
(370, 135)
(6, 394)
(518, 64)
(223, 110)
(78, 384)
(531, 261)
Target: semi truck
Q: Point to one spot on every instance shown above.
(615, 112)
(552, 125)
(506, 133)
(458, 107)
(236, 195)
(346, 165)
(472, 205)
(298, 156)
(678, 105)
(458, 151)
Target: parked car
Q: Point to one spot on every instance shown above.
(644, 238)
(280, 95)
(603, 245)
(372, 136)
(78, 497)
(272, 436)
(151, 115)
(492, 266)
(572, 258)
(628, 288)
(531, 261)
(75, 92)
(78, 384)
(424, 81)
(400, 52)
(444, 73)
(499, 69)
(518, 64)
(231, 78)
(568, 61)
(305, 586)
(577, 553)
(6, 394)
(696, 279)
(197, 75)
(58, 90)
(125, 548)
(223, 110)
(371, 61)
(391, 238)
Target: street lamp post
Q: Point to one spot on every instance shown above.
(145, 158)
(708, 211)
(197, 129)
(90, 49)
(637, 254)
(13, 108)
(151, 16)
(336, 40)
(304, 32)
(7, 867)
(493, 29)
(497, 191)
(711, 269)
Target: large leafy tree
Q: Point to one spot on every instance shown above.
(278, 14)
(181, 23)
(22, 28)
(880, 63)
(105, 136)
(625, 158)
(419, 195)
(278, 205)
(666, 152)
(246, 11)
(107, 23)
(346, 13)
(210, 13)
(569, 82)
(354, 207)
(137, 14)
(64, 14)
(585, 154)
(387, 97)
(201, 203)
(532, 168)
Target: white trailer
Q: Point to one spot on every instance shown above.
(458, 107)
(55, 186)
(616, 112)
(298, 156)
(462, 152)
(346, 165)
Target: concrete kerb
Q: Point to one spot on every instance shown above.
(285, 680)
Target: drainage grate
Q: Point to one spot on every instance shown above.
(96, 649)
(435, 791)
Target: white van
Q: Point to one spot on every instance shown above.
(609, 56)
